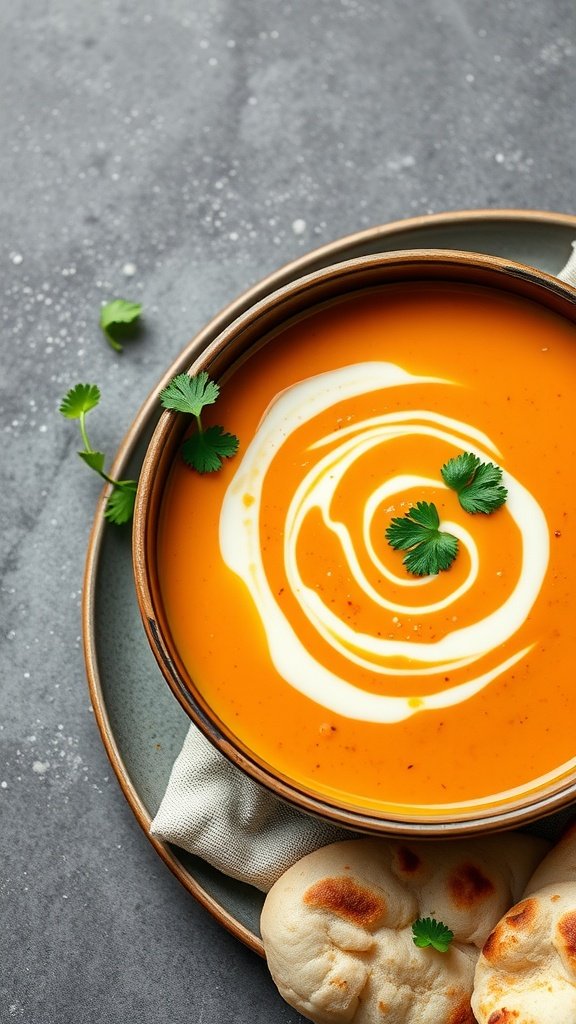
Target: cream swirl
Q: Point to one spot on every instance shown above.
(241, 550)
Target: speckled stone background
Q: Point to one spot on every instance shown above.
(175, 153)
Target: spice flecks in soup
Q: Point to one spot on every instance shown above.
(298, 622)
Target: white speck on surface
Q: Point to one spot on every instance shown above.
(515, 161)
(40, 767)
(129, 269)
(3, 784)
(401, 163)
(299, 226)
(16, 258)
(470, 78)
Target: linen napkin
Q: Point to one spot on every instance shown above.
(568, 273)
(212, 809)
(215, 811)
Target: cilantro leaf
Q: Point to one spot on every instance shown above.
(79, 400)
(426, 931)
(117, 313)
(120, 505)
(74, 406)
(189, 394)
(430, 550)
(95, 460)
(478, 484)
(204, 450)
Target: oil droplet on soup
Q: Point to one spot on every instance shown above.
(299, 624)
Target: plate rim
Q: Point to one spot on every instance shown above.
(288, 271)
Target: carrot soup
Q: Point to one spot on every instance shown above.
(296, 619)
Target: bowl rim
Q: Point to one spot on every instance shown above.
(525, 280)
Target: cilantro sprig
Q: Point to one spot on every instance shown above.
(207, 447)
(430, 550)
(478, 484)
(75, 405)
(426, 931)
(116, 317)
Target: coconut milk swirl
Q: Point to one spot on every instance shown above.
(240, 547)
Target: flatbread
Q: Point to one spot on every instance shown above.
(337, 926)
(526, 973)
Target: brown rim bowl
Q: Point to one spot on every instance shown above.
(251, 330)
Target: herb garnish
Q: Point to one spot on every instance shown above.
(478, 484)
(207, 447)
(430, 549)
(479, 488)
(426, 931)
(118, 313)
(79, 401)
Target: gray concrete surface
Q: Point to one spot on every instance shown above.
(177, 152)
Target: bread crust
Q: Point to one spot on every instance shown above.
(337, 926)
(526, 973)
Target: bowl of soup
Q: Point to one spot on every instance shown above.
(304, 602)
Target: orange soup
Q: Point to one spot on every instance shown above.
(299, 623)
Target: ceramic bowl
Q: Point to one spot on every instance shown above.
(243, 338)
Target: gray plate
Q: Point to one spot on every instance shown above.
(141, 724)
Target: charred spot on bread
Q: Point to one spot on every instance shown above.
(503, 1016)
(469, 886)
(494, 943)
(567, 933)
(520, 919)
(522, 915)
(407, 862)
(345, 898)
(462, 1014)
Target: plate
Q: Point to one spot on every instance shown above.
(141, 724)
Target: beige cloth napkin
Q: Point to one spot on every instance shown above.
(218, 813)
(215, 811)
(568, 273)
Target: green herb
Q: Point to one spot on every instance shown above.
(430, 549)
(207, 447)
(190, 394)
(426, 931)
(115, 316)
(478, 484)
(75, 405)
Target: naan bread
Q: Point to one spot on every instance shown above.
(526, 973)
(337, 926)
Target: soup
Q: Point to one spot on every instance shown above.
(299, 624)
